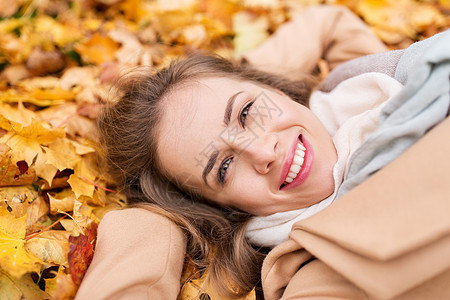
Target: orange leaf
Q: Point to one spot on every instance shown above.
(98, 49)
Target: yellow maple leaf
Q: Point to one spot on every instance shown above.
(26, 142)
(82, 181)
(38, 97)
(11, 117)
(44, 170)
(80, 186)
(62, 155)
(13, 256)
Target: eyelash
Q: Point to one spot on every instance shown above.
(222, 173)
(245, 110)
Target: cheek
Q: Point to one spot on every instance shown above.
(247, 191)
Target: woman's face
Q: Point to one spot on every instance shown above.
(243, 145)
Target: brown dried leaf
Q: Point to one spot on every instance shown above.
(41, 62)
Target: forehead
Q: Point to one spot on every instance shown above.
(188, 108)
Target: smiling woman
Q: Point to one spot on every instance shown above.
(196, 140)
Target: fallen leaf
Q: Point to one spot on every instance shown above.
(18, 198)
(15, 73)
(98, 49)
(51, 246)
(67, 224)
(41, 62)
(81, 252)
(19, 288)
(62, 201)
(61, 286)
(14, 174)
(60, 34)
(36, 210)
(82, 217)
(80, 186)
(197, 289)
(13, 256)
(61, 154)
(15, 117)
(82, 181)
(26, 142)
(44, 170)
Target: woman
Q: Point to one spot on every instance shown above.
(152, 169)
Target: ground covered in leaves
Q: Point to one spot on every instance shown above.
(57, 61)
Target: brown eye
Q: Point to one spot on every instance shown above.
(244, 113)
(223, 168)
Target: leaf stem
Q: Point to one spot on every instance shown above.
(43, 230)
(79, 227)
(96, 185)
(79, 111)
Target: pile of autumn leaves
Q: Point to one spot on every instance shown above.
(57, 61)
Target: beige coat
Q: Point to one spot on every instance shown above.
(138, 255)
(387, 238)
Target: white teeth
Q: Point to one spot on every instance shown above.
(300, 153)
(297, 163)
(298, 160)
(295, 168)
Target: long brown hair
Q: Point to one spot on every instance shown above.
(129, 131)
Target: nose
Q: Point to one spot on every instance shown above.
(261, 153)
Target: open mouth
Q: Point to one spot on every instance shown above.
(300, 165)
(297, 163)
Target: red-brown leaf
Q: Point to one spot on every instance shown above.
(81, 251)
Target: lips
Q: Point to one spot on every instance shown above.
(298, 164)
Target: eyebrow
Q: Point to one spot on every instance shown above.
(209, 165)
(229, 109)
(226, 120)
